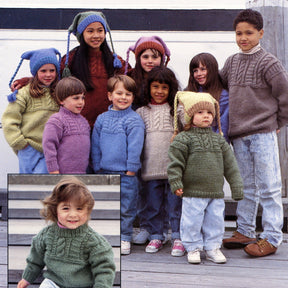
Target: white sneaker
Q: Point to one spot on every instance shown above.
(215, 256)
(125, 247)
(194, 257)
(141, 237)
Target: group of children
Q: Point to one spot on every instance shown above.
(144, 121)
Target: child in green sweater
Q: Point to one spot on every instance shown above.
(200, 159)
(73, 253)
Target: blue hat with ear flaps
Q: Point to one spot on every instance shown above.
(37, 58)
(79, 24)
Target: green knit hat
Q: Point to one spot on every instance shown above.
(192, 103)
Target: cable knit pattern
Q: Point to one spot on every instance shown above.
(117, 141)
(66, 142)
(258, 86)
(73, 258)
(158, 133)
(200, 159)
(24, 120)
(96, 100)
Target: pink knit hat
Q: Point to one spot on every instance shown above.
(151, 42)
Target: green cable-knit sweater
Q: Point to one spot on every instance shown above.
(73, 258)
(200, 159)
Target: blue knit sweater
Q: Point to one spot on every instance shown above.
(117, 141)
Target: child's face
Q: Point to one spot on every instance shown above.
(71, 215)
(247, 36)
(47, 74)
(159, 92)
(120, 97)
(149, 60)
(200, 74)
(94, 35)
(203, 118)
(74, 103)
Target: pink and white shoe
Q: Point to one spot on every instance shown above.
(154, 246)
(178, 249)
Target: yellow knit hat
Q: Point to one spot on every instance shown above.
(192, 103)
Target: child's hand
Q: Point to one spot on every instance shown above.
(54, 172)
(179, 192)
(130, 173)
(23, 284)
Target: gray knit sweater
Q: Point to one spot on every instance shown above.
(158, 133)
(200, 159)
(258, 93)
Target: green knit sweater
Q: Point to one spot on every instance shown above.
(200, 159)
(73, 258)
(24, 120)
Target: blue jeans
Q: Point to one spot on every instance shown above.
(31, 161)
(159, 200)
(202, 223)
(258, 160)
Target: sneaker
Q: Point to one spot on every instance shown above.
(237, 240)
(141, 237)
(215, 256)
(125, 247)
(260, 248)
(154, 246)
(178, 249)
(193, 257)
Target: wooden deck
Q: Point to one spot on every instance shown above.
(161, 270)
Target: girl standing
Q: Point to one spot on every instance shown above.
(149, 52)
(73, 253)
(204, 77)
(92, 61)
(66, 137)
(157, 114)
(30, 108)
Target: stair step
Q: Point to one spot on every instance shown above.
(39, 192)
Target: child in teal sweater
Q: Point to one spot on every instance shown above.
(73, 253)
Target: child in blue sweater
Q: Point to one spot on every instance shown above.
(117, 142)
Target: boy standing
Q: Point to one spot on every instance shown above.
(258, 103)
(117, 143)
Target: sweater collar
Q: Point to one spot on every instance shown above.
(71, 232)
(119, 113)
(253, 50)
(67, 111)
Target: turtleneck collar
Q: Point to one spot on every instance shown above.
(253, 50)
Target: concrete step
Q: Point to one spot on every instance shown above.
(30, 209)
(39, 192)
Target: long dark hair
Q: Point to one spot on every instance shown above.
(80, 63)
(162, 75)
(139, 76)
(213, 83)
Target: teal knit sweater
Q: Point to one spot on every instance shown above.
(200, 159)
(73, 258)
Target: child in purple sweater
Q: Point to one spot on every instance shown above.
(66, 136)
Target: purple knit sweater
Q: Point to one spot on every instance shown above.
(66, 142)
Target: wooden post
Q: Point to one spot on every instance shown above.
(275, 41)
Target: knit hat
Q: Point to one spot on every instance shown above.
(151, 42)
(37, 58)
(79, 24)
(192, 103)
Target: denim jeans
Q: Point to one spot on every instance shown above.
(258, 160)
(46, 283)
(142, 209)
(202, 223)
(31, 161)
(159, 200)
(129, 194)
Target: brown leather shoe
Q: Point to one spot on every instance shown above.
(260, 248)
(237, 240)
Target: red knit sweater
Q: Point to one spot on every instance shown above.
(96, 100)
